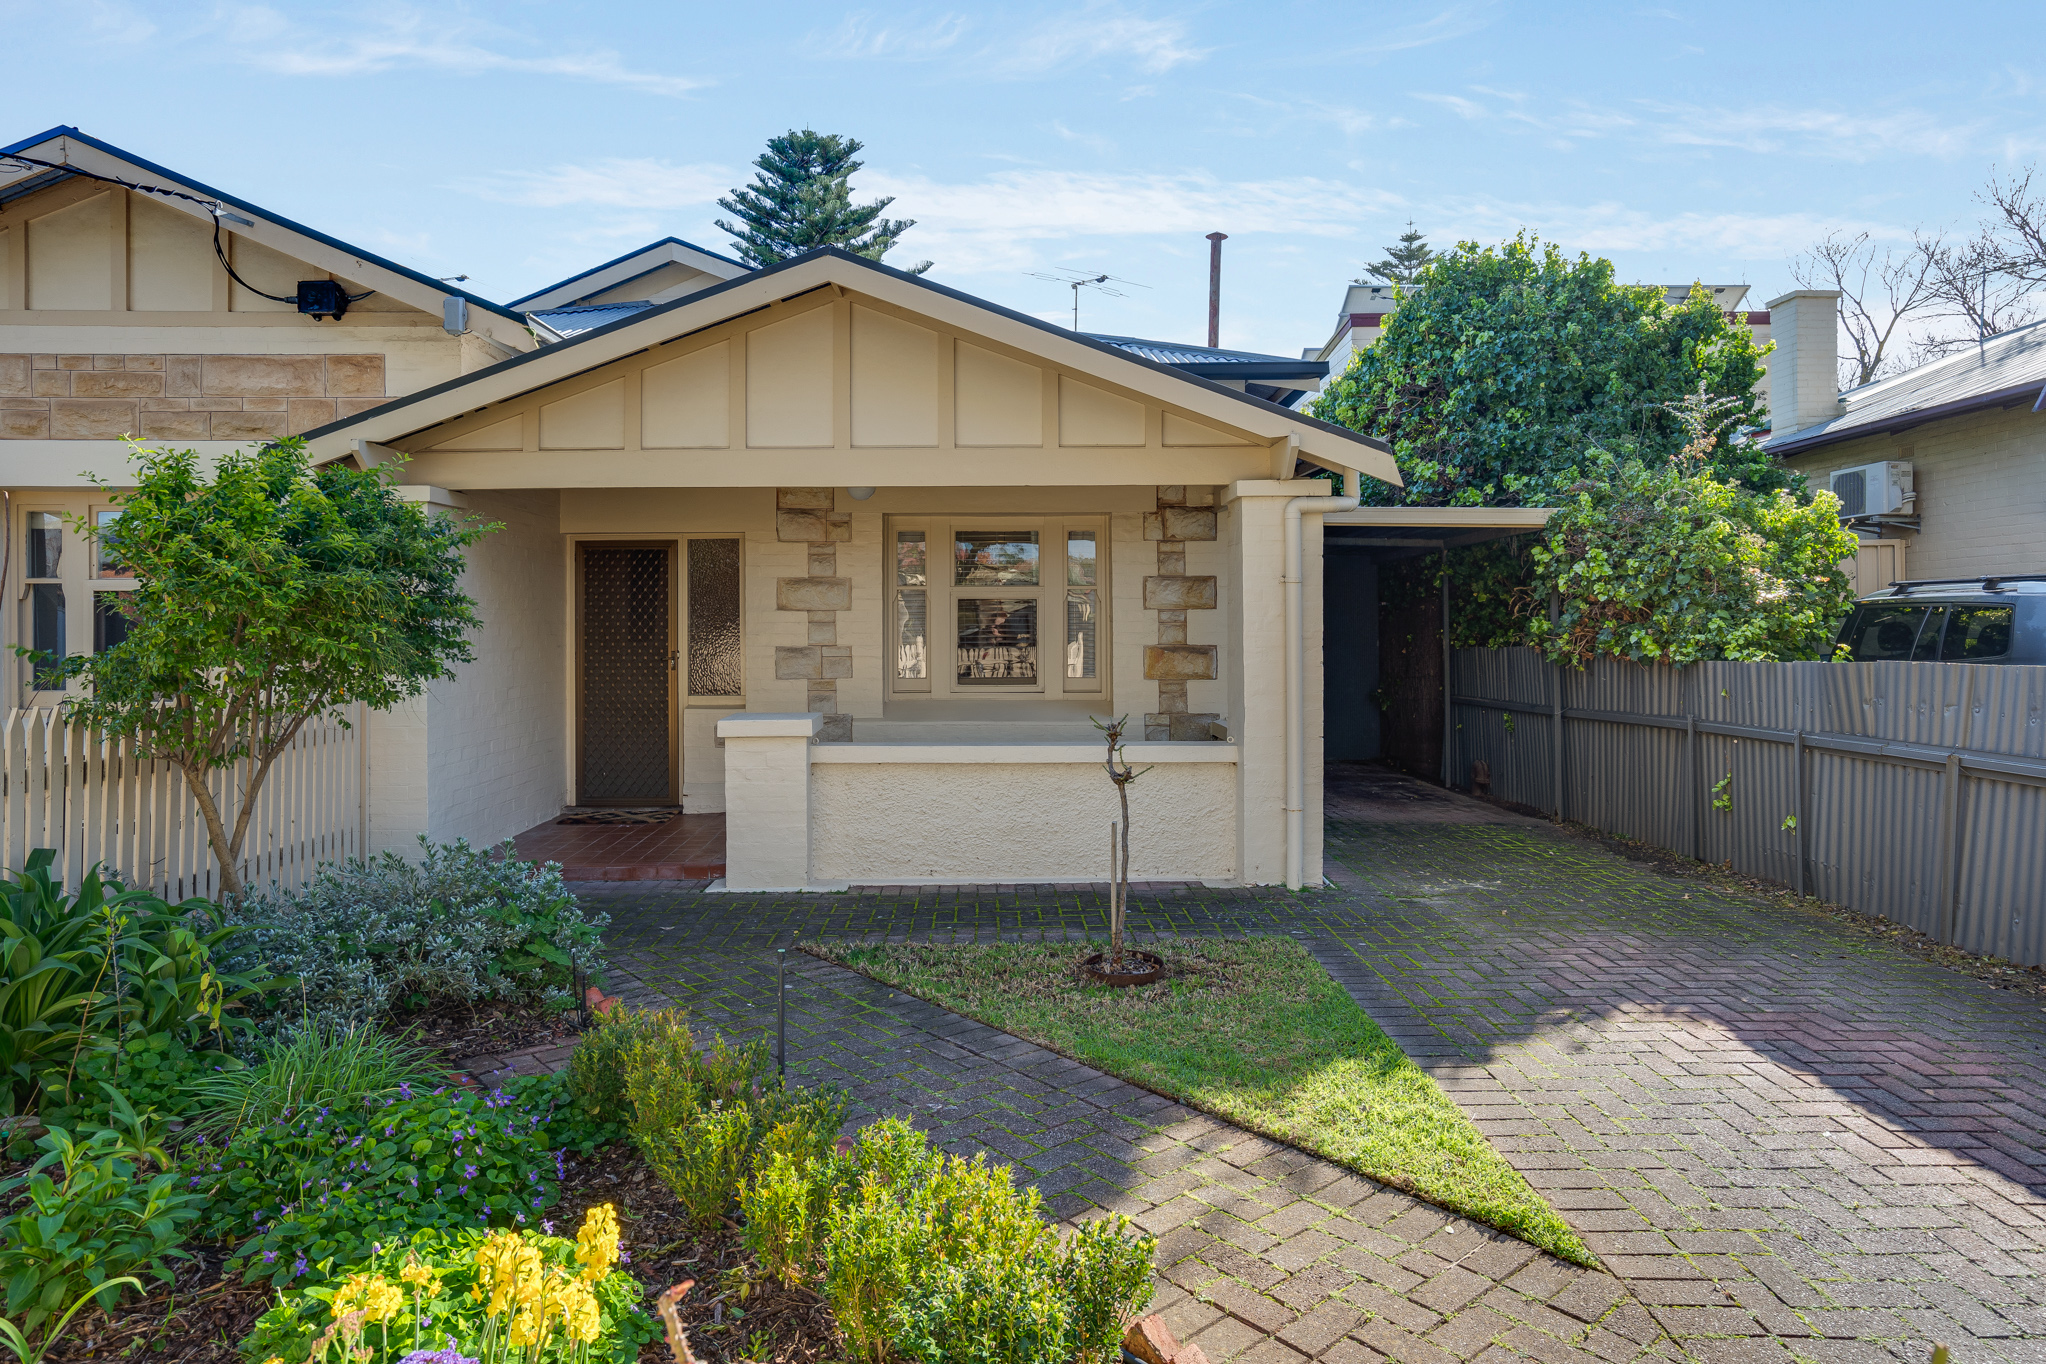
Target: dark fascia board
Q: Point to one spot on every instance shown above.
(2004, 397)
(618, 260)
(1255, 369)
(245, 206)
(554, 351)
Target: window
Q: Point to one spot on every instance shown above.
(989, 607)
(44, 601)
(106, 562)
(109, 619)
(1977, 632)
(1876, 632)
(715, 661)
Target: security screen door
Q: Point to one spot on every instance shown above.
(627, 676)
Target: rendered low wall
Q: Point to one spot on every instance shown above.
(891, 813)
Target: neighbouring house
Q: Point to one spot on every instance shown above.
(119, 317)
(1366, 308)
(1941, 463)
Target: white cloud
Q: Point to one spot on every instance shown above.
(1456, 104)
(1445, 25)
(1094, 31)
(1859, 135)
(619, 182)
(1606, 227)
(859, 37)
(402, 38)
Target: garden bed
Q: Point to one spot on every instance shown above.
(1279, 1048)
(205, 1316)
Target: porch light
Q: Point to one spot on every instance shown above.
(860, 494)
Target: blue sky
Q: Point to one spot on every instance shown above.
(519, 142)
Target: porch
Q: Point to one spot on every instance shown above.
(672, 846)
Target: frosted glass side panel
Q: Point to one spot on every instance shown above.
(714, 654)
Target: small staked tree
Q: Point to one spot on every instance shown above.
(801, 199)
(267, 596)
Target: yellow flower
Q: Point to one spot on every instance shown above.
(596, 1245)
(385, 1298)
(416, 1273)
(580, 1314)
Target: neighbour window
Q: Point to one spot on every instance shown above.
(107, 560)
(43, 602)
(109, 619)
(996, 606)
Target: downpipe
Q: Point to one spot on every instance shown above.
(1296, 673)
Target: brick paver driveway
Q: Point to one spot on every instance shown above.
(1783, 1139)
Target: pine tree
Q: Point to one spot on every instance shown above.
(1402, 263)
(801, 199)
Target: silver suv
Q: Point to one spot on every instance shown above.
(1995, 619)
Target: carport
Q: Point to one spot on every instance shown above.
(1407, 724)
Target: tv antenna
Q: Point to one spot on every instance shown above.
(1076, 280)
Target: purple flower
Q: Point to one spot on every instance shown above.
(406, 1089)
(299, 1267)
(548, 1226)
(625, 1257)
(269, 1257)
(469, 1170)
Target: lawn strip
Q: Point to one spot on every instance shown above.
(1252, 1030)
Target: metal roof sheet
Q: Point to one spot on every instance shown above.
(1996, 372)
(588, 316)
(1211, 361)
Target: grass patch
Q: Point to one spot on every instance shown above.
(1251, 1030)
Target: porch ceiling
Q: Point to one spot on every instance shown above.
(1400, 532)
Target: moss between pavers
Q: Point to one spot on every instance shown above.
(1249, 1029)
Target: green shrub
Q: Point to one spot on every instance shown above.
(156, 1072)
(312, 1066)
(289, 1328)
(596, 1069)
(570, 1125)
(87, 1234)
(320, 1187)
(370, 937)
(89, 970)
(941, 1259)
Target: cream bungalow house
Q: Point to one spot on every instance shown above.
(855, 558)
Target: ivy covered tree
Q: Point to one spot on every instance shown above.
(1404, 260)
(801, 199)
(266, 596)
(1507, 364)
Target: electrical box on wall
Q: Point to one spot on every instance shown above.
(1882, 489)
(322, 299)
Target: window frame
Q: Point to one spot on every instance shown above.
(685, 599)
(1051, 594)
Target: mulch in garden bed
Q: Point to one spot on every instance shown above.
(486, 1030)
(729, 1316)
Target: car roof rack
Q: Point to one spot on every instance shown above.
(1989, 581)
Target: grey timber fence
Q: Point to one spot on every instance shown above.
(1914, 791)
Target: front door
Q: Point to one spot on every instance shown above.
(626, 675)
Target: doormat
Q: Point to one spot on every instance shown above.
(647, 816)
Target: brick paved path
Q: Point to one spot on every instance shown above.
(1786, 1140)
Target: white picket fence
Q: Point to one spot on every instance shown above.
(94, 801)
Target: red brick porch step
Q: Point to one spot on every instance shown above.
(689, 847)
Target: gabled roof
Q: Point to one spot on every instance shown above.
(69, 146)
(2000, 371)
(1317, 441)
(628, 267)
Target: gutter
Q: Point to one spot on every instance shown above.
(1296, 670)
(1904, 421)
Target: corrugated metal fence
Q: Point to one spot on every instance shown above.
(1916, 791)
(90, 798)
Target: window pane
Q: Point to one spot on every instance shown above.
(109, 621)
(45, 544)
(1080, 631)
(996, 558)
(1080, 559)
(1927, 648)
(997, 641)
(46, 634)
(714, 618)
(1875, 633)
(1977, 632)
(909, 558)
(110, 565)
(912, 651)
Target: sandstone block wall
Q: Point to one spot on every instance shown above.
(182, 397)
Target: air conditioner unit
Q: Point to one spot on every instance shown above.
(1873, 489)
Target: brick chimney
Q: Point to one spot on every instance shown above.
(1804, 375)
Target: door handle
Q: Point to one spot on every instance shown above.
(674, 658)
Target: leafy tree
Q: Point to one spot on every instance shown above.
(1403, 262)
(267, 596)
(1507, 365)
(801, 199)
